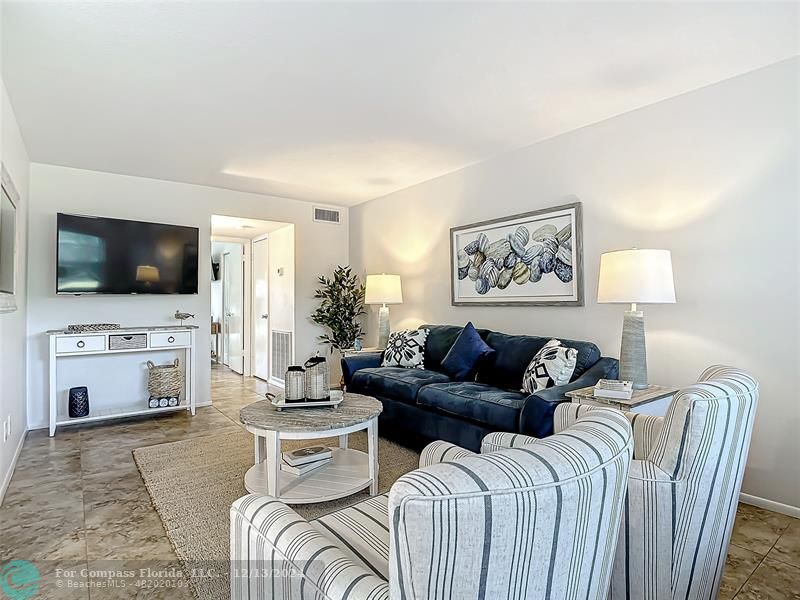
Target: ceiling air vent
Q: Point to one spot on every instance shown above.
(326, 215)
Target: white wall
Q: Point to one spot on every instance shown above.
(320, 247)
(711, 175)
(281, 287)
(12, 325)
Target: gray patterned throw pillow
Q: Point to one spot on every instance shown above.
(553, 365)
(406, 349)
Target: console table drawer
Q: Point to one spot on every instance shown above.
(127, 342)
(170, 338)
(86, 343)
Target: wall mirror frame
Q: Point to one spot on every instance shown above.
(9, 239)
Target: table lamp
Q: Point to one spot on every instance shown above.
(383, 289)
(637, 277)
(147, 274)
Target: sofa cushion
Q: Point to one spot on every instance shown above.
(440, 339)
(553, 365)
(461, 362)
(362, 531)
(513, 354)
(397, 383)
(406, 348)
(475, 401)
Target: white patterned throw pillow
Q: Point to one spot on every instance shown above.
(406, 349)
(553, 365)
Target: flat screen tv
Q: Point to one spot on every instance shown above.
(97, 255)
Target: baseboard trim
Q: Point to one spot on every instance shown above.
(10, 473)
(35, 426)
(784, 509)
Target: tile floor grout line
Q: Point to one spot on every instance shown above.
(760, 562)
(773, 547)
(83, 502)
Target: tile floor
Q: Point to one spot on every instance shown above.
(77, 502)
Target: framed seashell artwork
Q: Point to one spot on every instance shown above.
(530, 259)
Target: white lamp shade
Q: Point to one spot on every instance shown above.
(383, 289)
(636, 276)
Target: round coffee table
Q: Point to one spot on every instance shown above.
(349, 471)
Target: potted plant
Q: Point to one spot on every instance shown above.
(342, 305)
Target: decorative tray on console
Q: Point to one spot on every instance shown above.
(279, 402)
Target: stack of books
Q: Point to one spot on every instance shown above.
(305, 460)
(610, 388)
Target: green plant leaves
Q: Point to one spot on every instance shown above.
(342, 303)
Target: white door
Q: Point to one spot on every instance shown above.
(261, 309)
(232, 305)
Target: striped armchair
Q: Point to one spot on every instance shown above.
(538, 521)
(683, 486)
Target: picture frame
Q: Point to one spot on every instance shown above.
(9, 235)
(528, 259)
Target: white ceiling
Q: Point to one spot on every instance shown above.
(344, 102)
(223, 226)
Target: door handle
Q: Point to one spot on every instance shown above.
(265, 316)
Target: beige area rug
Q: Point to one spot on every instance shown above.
(192, 484)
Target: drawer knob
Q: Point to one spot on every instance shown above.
(80, 344)
(170, 339)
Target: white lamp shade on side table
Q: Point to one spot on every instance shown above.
(636, 276)
(383, 289)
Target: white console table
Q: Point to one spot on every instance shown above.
(65, 346)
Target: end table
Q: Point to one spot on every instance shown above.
(653, 400)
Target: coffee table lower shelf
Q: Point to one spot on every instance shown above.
(346, 474)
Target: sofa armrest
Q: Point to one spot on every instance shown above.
(275, 550)
(440, 451)
(501, 440)
(362, 360)
(536, 416)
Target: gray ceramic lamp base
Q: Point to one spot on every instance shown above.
(633, 354)
(383, 327)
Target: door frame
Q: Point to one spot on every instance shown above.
(261, 238)
(246, 298)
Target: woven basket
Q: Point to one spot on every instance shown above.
(164, 380)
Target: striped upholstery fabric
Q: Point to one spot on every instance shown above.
(439, 451)
(502, 440)
(684, 488)
(538, 522)
(276, 553)
(646, 428)
(362, 532)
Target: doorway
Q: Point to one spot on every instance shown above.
(261, 308)
(252, 296)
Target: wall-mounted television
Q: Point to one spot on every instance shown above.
(98, 255)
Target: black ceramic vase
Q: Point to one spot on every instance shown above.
(78, 402)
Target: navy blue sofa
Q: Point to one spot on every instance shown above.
(422, 405)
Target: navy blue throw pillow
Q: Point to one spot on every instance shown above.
(467, 351)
